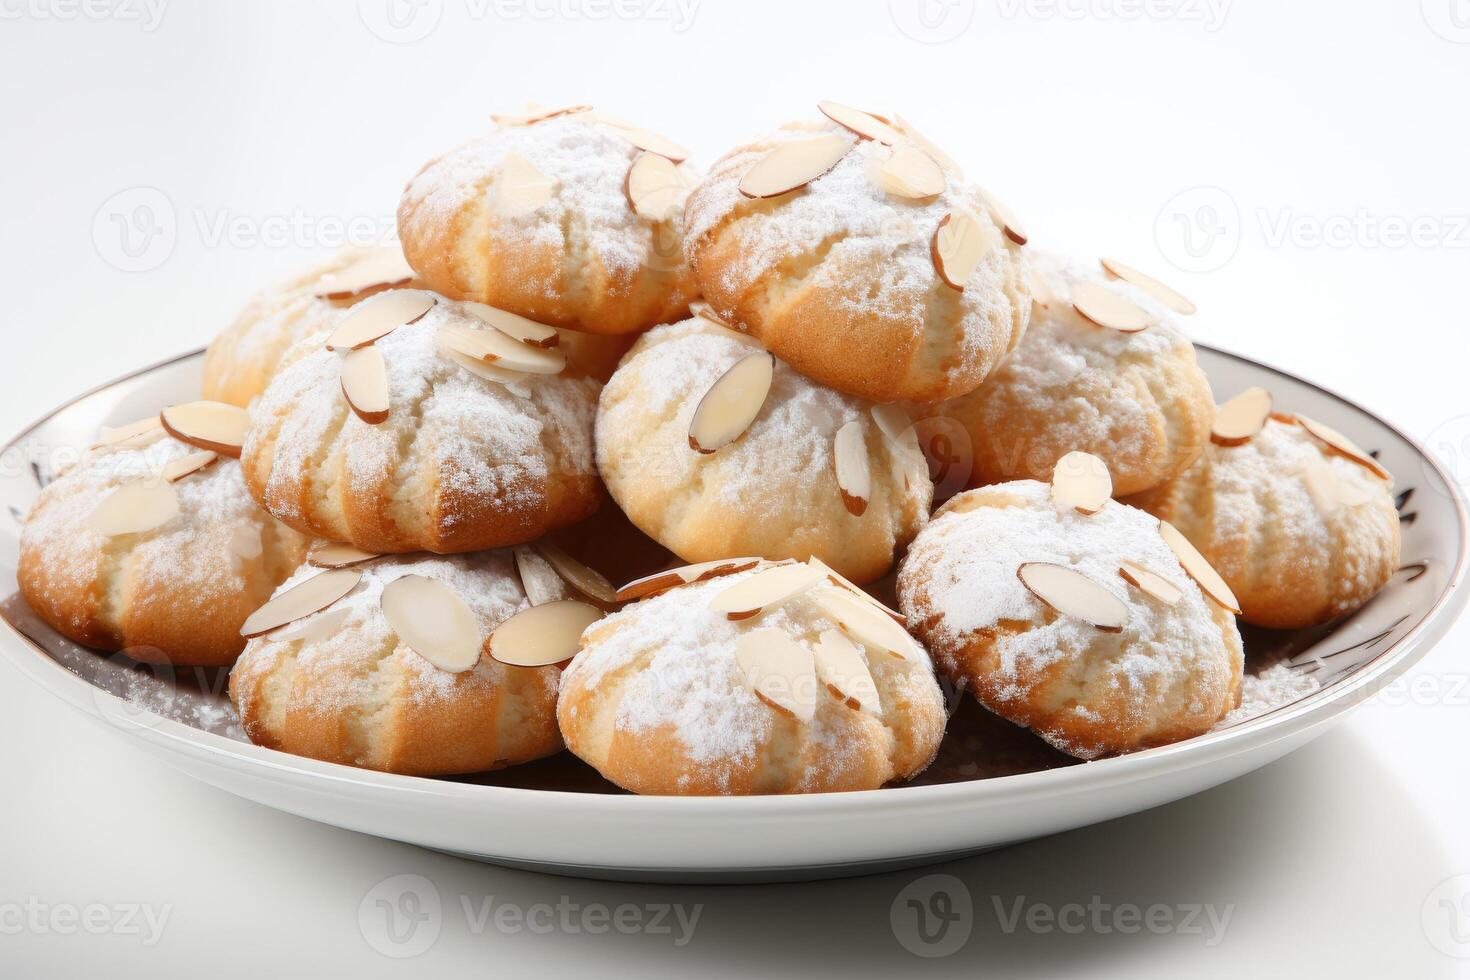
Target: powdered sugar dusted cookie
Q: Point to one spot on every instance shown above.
(1303, 532)
(1086, 628)
(245, 356)
(443, 434)
(715, 448)
(865, 263)
(153, 547)
(1121, 384)
(570, 218)
(775, 679)
(395, 674)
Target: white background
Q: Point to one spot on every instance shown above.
(1097, 120)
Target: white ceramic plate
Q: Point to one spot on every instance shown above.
(559, 816)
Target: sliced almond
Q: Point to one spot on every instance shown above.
(515, 326)
(1102, 306)
(1171, 298)
(929, 146)
(176, 470)
(313, 628)
(653, 187)
(300, 601)
(484, 369)
(500, 349)
(1343, 446)
(433, 621)
(732, 402)
(334, 555)
(672, 578)
(1082, 482)
(778, 670)
(536, 115)
(864, 124)
(1070, 593)
(214, 426)
(376, 268)
(1004, 217)
(700, 308)
(134, 435)
(543, 635)
(246, 543)
(377, 316)
(842, 670)
(656, 144)
(539, 580)
(520, 187)
(1238, 420)
(365, 384)
(1150, 583)
(910, 173)
(867, 624)
(958, 245)
(850, 458)
(1329, 491)
(590, 582)
(793, 165)
(837, 578)
(134, 508)
(764, 590)
(1198, 568)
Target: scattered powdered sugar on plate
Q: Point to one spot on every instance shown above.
(1272, 688)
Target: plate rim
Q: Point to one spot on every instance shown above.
(1314, 710)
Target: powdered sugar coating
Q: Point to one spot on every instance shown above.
(672, 664)
(773, 491)
(867, 253)
(1274, 687)
(486, 582)
(454, 444)
(1137, 400)
(959, 586)
(588, 162)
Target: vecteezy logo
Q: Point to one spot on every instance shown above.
(932, 21)
(933, 917)
(1450, 19)
(1450, 444)
(135, 230)
(1446, 917)
(401, 916)
(400, 21)
(1199, 229)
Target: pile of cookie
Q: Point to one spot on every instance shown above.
(389, 510)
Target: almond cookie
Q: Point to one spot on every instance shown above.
(153, 547)
(1299, 521)
(444, 434)
(714, 448)
(390, 669)
(774, 679)
(568, 217)
(865, 263)
(245, 356)
(1102, 369)
(1032, 606)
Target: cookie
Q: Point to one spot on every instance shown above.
(675, 695)
(1030, 605)
(806, 470)
(548, 218)
(879, 272)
